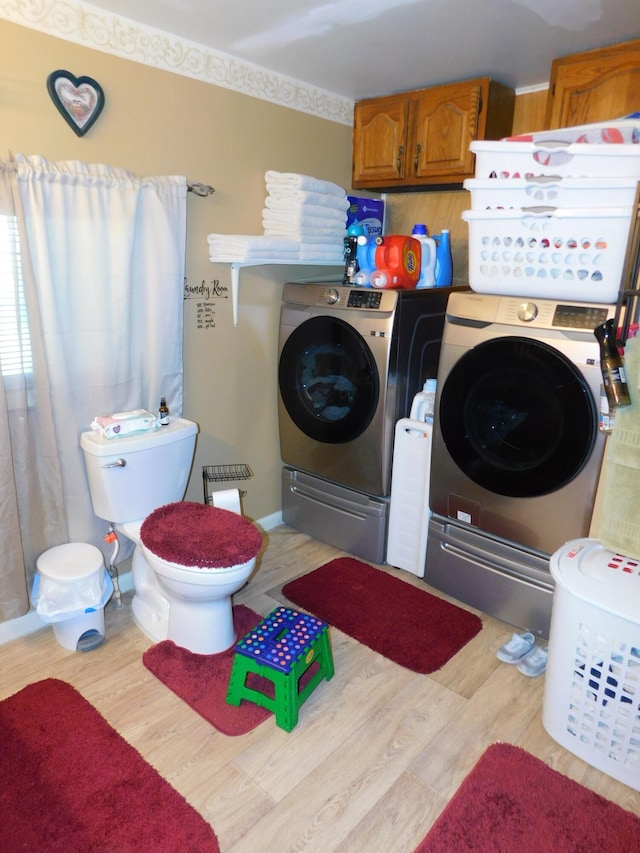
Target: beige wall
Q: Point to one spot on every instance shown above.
(157, 123)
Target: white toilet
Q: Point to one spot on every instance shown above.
(176, 599)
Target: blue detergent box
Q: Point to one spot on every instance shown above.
(367, 212)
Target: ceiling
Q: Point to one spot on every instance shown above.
(362, 48)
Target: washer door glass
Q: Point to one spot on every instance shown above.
(517, 417)
(328, 380)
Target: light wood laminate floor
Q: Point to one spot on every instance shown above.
(375, 757)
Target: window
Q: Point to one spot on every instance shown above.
(15, 344)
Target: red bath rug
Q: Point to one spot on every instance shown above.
(70, 782)
(202, 680)
(512, 801)
(405, 624)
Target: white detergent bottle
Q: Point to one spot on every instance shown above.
(428, 256)
(424, 403)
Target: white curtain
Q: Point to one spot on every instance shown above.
(105, 306)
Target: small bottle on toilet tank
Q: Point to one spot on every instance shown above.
(163, 412)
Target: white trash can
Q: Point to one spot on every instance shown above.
(70, 591)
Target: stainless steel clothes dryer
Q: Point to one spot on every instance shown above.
(516, 449)
(350, 361)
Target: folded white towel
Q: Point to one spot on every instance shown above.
(250, 242)
(296, 198)
(322, 252)
(293, 180)
(293, 210)
(312, 238)
(282, 218)
(227, 256)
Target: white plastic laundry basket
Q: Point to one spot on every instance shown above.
(561, 253)
(576, 160)
(592, 688)
(496, 193)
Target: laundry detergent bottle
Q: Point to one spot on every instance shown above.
(444, 261)
(428, 256)
(366, 257)
(424, 403)
(397, 262)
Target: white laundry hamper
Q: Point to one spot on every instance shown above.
(592, 687)
(70, 591)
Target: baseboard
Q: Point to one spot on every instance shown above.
(13, 629)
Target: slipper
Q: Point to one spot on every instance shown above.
(534, 663)
(518, 646)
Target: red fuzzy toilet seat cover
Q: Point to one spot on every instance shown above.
(193, 534)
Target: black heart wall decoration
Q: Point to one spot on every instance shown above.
(79, 100)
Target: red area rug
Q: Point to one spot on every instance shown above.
(202, 680)
(512, 801)
(69, 782)
(405, 624)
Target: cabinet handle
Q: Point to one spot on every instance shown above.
(415, 158)
(399, 159)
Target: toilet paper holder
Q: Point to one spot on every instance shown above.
(223, 474)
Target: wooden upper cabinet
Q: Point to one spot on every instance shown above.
(597, 85)
(380, 129)
(421, 138)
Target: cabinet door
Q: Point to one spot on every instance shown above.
(445, 122)
(594, 86)
(380, 140)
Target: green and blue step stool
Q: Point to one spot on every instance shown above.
(281, 649)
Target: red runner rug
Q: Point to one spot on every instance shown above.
(69, 782)
(405, 624)
(512, 801)
(202, 680)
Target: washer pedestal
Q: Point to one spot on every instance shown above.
(347, 519)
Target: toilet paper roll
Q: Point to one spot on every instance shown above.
(227, 499)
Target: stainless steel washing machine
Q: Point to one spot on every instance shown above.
(350, 361)
(516, 452)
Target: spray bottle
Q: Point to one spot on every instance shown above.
(351, 253)
(428, 257)
(444, 261)
(612, 366)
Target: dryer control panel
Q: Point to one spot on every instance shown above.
(538, 314)
(579, 316)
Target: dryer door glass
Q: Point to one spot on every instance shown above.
(328, 380)
(518, 417)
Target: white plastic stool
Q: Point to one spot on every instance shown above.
(71, 592)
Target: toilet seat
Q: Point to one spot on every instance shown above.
(196, 537)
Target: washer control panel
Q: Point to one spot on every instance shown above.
(364, 299)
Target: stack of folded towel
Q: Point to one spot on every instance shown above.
(309, 210)
(227, 248)
(304, 219)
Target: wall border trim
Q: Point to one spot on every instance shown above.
(94, 28)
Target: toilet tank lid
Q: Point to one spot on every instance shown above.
(177, 429)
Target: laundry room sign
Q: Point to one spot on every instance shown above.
(205, 294)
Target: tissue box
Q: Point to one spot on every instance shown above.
(367, 212)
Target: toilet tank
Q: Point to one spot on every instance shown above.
(131, 476)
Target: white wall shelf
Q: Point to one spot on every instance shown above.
(236, 266)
